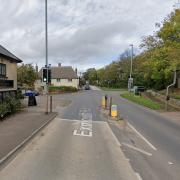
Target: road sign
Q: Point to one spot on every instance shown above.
(130, 83)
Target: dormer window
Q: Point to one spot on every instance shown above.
(2, 70)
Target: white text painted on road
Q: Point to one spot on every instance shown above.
(85, 126)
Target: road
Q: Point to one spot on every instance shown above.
(162, 133)
(150, 143)
(77, 145)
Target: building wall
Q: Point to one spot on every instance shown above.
(11, 73)
(63, 82)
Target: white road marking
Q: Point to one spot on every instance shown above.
(140, 135)
(138, 176)
(170, 163)
(137, 149)
(75, 120)
(117, 142)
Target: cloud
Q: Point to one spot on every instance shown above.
(82, 33)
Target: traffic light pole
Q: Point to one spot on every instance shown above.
(46, 42)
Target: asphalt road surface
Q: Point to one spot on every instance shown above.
(156, 135)
(152, 134)
(78, 144)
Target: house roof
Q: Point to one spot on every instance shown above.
(63, 72)
(5, 53)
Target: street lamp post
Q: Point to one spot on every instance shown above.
(167, 89)
(46, 50)
(131, 60)
(130, 80)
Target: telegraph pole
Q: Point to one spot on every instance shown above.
(46, 50)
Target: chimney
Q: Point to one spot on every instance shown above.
(59, 64)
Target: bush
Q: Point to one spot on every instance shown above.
(13, 103)
(62, 89)
(19, 94)
(10, 105)
(4, 110)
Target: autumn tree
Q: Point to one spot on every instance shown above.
(26, 75)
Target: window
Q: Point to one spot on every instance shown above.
(3, 70)
(58, 80)
(69, 80)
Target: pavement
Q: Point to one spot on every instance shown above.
(16, 128)
(95, 88)
(171, 115)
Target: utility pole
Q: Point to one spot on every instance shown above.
(46, 49)
(130, 80)
(131, 59)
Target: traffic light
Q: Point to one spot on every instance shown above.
(44, 75)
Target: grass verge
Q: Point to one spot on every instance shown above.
(112, 89)
(175, 93)
(142, 101)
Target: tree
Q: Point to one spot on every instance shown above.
(26, 75)
(154, 66)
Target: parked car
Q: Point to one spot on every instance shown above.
(87, 87)
(138, 89)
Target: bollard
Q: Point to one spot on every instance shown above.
(50, 104)
(106, 100)
(114, 111)
(110, 104)
(103, 102)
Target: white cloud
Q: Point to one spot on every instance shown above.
(82, 33)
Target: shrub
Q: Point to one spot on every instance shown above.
(13, 103)
(62, 89)
(4, 110)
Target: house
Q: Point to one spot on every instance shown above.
(60, 76)
(8, 73)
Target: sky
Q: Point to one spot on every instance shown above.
(81, 33)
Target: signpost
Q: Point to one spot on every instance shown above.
(130, 83)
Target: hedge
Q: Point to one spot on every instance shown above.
(62, 89)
